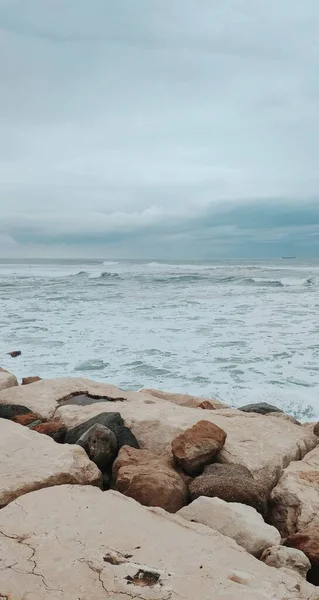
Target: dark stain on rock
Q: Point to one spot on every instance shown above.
(144, 578)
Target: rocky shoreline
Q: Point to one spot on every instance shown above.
(151, 495)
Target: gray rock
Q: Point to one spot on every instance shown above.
(100, 444)
(232, 483)
(113, 421)
(8, 411)
(263, 408)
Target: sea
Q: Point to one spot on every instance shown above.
(241, 331)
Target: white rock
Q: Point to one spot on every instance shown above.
(294, 502)
(282, 557)
(78, 542)
(240, 522)
(7, 380)
(30, 461)
(265, 445)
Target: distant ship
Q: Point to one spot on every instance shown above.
(288, 257)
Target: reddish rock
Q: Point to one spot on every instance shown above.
(15, 353)
(28, 380)
(197, 446)
(26, 419)
(149, 479)
(53, 429)
(307, 540)
(232, 483)
(207, 405)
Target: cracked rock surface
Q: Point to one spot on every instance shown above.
(30, 461)
(80, 543)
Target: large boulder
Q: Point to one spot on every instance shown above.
(78, 542)
(240, 522)
(282, 557)
(30, 461)
(186, 399)
(7, 380)
(294, 502)
(100, 444)
(197, 446)
(264, 445)
(263, 408)
(149, 479)
(232, 483)
(112, 421)
(307, 540)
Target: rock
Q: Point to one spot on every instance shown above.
(240, 522)
(186, 399)
(232, 483)
(264, 445)
(15, 353)
(30, 461)
(208, 405)
(100, 444)
(316, 429)
(263, 408)
(294, 502)
(149, 479)
(27, 419)
(197, 446)
(53, 429)
(7, 380)
(8, 411)
(28, 380)
(281, 557)
(88, 544)
(307, 540)
(112, 421)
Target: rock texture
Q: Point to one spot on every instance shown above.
(7, 380)
(111, 547)
(9, 411)
(149, 479)
(295, 499)
(264, 445)
(28, 380)
(197, 446)
(232, 483)
(100, 444)
(30, 461)
(263, 408)
(281, 557)
(316, 429)
(307, 540)
(239, 522)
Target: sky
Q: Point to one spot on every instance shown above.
(159, 128)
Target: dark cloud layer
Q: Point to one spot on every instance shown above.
(156, 129)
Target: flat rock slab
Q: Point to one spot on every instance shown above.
(263, 444)
(81, 543)
(30, 461)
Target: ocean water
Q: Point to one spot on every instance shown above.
(245, 331)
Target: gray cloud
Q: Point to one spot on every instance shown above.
(152, 128)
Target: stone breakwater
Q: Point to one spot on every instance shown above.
(116, 495)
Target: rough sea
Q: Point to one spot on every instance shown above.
(245, 331)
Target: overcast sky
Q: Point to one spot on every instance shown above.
(159, 128)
